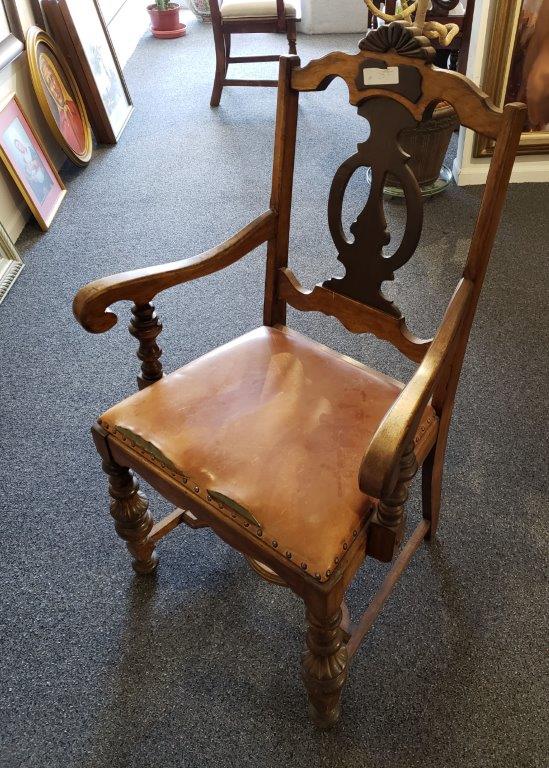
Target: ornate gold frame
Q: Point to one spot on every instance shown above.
(35, 36)
(43, 223)
(10, 263)
(496, 73)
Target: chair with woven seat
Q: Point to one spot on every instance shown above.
(231, 17)
(297, 456)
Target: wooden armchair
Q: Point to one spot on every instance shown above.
(231, 17)
(298, 457)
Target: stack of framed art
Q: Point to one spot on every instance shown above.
(79, 85)
(80, 31)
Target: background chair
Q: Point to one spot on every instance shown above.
(296, 456)
(242, 17)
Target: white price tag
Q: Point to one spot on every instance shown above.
(377, 76)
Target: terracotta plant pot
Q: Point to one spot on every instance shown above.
(166, 23)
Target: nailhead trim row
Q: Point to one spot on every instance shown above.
(180, 477)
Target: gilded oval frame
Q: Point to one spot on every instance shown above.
(35, 36)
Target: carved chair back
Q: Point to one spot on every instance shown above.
(394, 85)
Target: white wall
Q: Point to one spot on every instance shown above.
(126, 28)
(322, 16)
(473, 170)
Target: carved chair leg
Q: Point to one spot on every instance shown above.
(133, 521)
(221, 66)
(291, 34)
(431, 484)
(227, 37)
(324, 668)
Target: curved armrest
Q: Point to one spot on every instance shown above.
(379, 469)
(91, 303)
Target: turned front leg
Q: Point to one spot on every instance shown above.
(133, 521)
(324, 668)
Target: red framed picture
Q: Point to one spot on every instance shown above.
(28, 163)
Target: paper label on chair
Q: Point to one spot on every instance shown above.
(377, 76)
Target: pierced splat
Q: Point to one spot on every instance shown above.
(366, 268)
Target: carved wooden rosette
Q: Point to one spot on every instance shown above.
(400, 36)
(133, 521)
(324, 668)
(145, 327)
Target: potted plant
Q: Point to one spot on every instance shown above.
(201, 9)
(165, 19)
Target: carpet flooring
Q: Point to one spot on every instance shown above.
(199, 667)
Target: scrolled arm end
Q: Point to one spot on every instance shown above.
(91, 309)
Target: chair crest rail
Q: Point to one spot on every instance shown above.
(92, 302)
(381, 49)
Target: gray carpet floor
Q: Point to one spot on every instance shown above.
(199, 667)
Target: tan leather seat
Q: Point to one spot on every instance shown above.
(278, 425)
(255, 9)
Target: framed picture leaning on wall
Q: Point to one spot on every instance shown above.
(80, 31)
(11, 32)
(517, 49)
(10, 263)
(28, 163)
(59, 96)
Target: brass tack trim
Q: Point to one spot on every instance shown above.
(336, 560)
(328, 573)
(289, 555)
(259, 532)
(304, 566)
(345, 546)
(196, 489)
(318, 576)
(233, 514)
(275, 544)
(355, 534)
(246, 525)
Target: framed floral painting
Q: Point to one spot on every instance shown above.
(519, 33)
(28, 163)
(80, 31)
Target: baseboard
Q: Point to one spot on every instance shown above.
(524, 171)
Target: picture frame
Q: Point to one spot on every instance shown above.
(80, 31)
(38, 14)
(10, 263)
(59, 96)
(28, 163)
(11, 33)
(503, 80)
